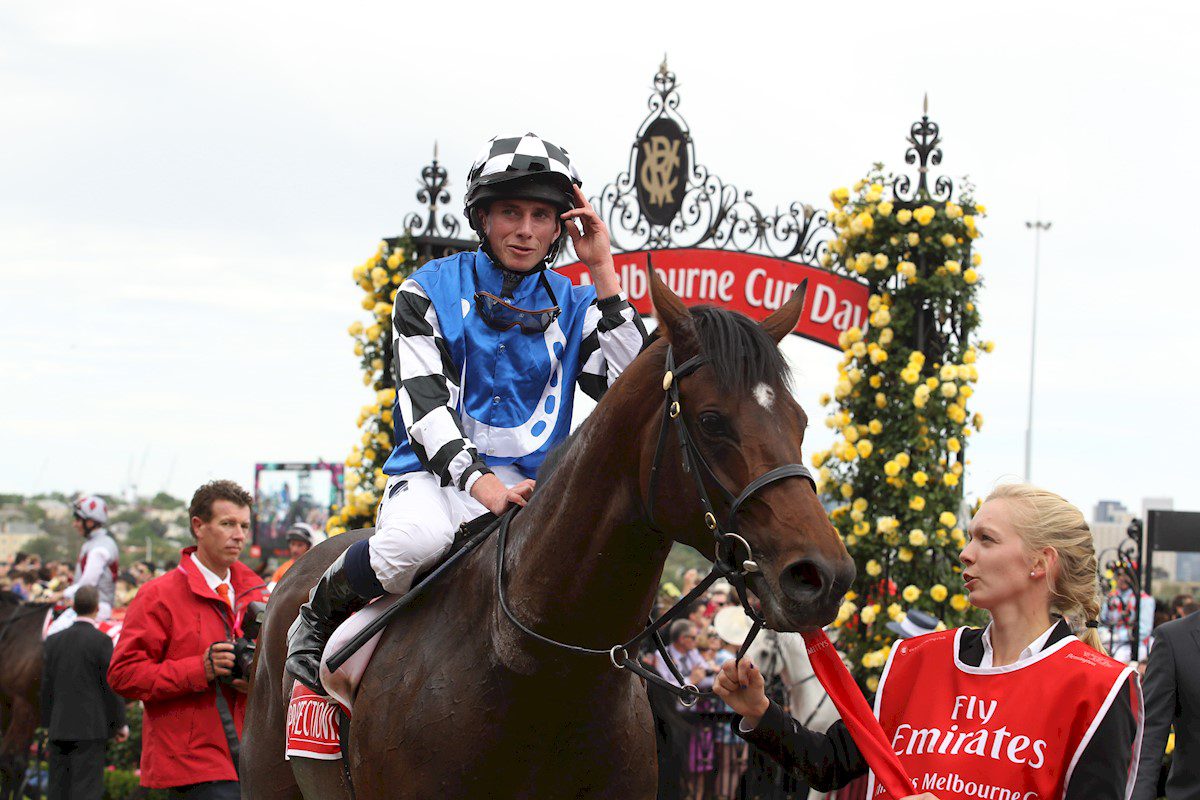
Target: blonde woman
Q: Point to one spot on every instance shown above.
(1021, 710)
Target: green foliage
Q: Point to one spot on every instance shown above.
(127, 755)
(896, 469)
(166, 502)
(50, 548)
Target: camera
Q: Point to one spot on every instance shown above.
(244, 646)
(243, 660)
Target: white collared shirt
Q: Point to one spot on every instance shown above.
(1034, 647)
(213, 579)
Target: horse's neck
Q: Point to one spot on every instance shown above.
(584, 561)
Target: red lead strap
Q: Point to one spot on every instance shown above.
(857, 715)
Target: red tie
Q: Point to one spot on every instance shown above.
(223, 591)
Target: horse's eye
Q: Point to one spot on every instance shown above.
(713, 424)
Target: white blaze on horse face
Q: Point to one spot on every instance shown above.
(765, 396)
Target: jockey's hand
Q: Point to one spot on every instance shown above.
(592, 245)
(493, 495)
(218, 660)
(241, 685)
(740, 684)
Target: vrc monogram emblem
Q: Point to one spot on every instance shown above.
(662, 170)
(660, 166)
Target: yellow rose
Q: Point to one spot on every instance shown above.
(358, 348)
(920, 478)
(953, 211)
(905, 555)
(872, 684)
(952, 267)
(881, 261)
(884, 208)
(840, 196)
(953, 444)
(383, 310)
(917, 503)
(897, 614)
(864, 448)
(874, 192)
(950, 479)
(880, 400)
(903, 459)
(938, 592)
(867, 615)
(394, 260)
(976, 259)
(909, 375)
(948, 240)
(903, 216)
(881, 318)
(355, 328)
(959, 602)
(862, 528)
(911, 593)
(947, 518)
(379, 277)
(949, 390)
(847, 491)
(971, 276)
(924, 215)
(917, 537)
(368, 303)
(873, 568)
(891, 469)
(913, 239)
(875, 427)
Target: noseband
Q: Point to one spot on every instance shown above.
(726, 539)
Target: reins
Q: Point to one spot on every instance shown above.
(727, 545)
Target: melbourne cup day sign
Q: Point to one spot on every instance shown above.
(756, 285)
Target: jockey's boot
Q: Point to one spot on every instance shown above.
(330, 602)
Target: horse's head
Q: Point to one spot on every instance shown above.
(743, 421)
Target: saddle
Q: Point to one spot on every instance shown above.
(350, 642)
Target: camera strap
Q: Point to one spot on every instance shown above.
(230, 729)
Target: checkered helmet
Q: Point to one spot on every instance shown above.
(93, 508)
(520, 167)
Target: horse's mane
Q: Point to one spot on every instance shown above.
(741, 354)
(739, 351)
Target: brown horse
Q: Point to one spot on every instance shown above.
(459, 703)
(20, 685)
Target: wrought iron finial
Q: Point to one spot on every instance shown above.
(667, 199)
(924, 141)
(434, 181)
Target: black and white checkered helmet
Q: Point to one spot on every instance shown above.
(521, 167)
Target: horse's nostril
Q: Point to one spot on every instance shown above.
(803, 581)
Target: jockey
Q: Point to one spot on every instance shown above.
(488, 348)
(98, 561)
(301, 538)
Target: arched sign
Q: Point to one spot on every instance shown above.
(753, 284)
(661, 170)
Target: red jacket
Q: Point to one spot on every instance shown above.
(160, 661)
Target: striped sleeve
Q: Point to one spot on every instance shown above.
(427, 390)
(613, 335)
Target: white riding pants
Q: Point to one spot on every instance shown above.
(416, 523)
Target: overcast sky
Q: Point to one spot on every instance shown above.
(184, 189)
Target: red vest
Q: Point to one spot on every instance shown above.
(1000, 733)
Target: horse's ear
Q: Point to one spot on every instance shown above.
(783, 321)
(674, 319)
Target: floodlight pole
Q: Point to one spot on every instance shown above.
(1037, 226)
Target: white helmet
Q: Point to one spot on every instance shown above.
(93, 508)
(303, 532)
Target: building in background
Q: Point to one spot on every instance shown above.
(1108, 511)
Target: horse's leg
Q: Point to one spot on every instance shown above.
(14, 747)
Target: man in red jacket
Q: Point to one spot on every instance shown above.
(176, 653)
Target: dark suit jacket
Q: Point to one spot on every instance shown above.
(1172, 692)
(77, 702)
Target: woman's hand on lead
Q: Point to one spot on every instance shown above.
(740, 684)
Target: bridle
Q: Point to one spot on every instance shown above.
(727, 541)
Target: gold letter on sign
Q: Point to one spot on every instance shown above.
(658, 170)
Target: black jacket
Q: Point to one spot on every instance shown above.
(830, 760)
(77, 703)
(1172, 698)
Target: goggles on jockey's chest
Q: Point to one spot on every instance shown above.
(502, 315)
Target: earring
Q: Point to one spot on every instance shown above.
(1033, 574)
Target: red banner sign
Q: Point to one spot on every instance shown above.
(755, 285)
